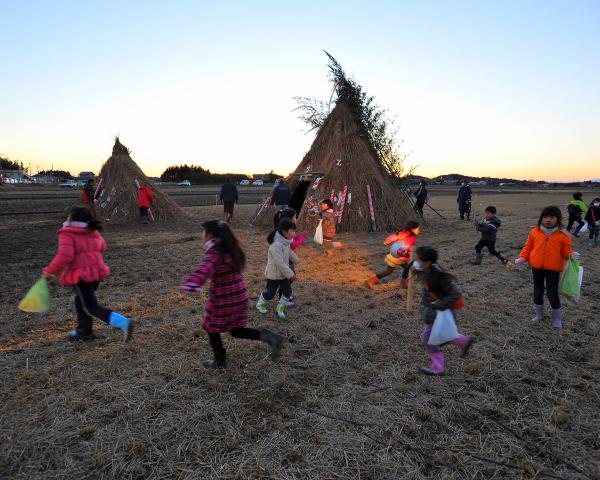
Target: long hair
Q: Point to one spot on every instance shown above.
(228, 243)
(81, 213)
(436, 279)
(551, 212)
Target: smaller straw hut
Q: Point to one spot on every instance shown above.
(116, 190)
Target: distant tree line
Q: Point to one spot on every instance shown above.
(63, 174)
(6, 164)
(197, 174)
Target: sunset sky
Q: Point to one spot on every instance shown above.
(501, 88)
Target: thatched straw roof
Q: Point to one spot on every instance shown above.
(117, 199)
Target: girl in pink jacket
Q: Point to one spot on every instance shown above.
(79, 263)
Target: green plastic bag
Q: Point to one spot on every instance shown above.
(569, 283)
(37, 298)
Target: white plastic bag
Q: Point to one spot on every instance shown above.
(444, 328)
(585, 228)
(319, 233)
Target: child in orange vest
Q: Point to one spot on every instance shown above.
(401, 245)
(547, 249)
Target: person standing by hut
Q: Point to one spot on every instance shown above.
(88, 192)
(280, 197)
(421, 195)
(229, 197)
(464, 200)
(145, 201)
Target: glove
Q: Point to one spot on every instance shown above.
(520, 261)
(575, 256)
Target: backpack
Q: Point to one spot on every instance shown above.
(573, 209)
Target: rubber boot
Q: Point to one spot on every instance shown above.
(116, 320)
(286, 301)
(556, 320)
(591, 242)
(281, 309)
(261, 304)
(477, 259)
(372, 281)
(274, 340)
(220, 361)
(437, 364)
(539, 313)
(464, 342)
(503, 260)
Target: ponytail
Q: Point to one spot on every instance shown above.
(228, 242)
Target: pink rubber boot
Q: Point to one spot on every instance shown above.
(464, 342)
(437, 364)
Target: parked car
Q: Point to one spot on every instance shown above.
(185, 183)
(245, 182)
(68, 184)
(258, 183)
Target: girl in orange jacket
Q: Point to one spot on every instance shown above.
(547, 249)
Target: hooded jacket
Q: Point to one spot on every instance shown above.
(79, 256)
(145, 196)
(279, 259)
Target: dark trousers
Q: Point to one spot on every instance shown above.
(419, 206)
(87, 307)
(228, 207)
(572, 220)
(551, 279)
(273, 285)
(144, 214)
(594, 230)
(216, 342)
(490, 245)
(464, 210)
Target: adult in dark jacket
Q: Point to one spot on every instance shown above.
(229, 197)
(464, 201)
(281, 194)
(421, 195)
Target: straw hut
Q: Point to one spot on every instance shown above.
(116, 193)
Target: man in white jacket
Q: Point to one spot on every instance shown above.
(278, 271)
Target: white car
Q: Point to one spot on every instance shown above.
(245, 182)
(68, 184)
(258, 183)
(185, 183)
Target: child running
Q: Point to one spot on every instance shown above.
(576, 208)
(547, 249)
(592, 217)
(327, 217)
(227, 307)
(278, 272)
(401, 244)
(489, 231)
(298, 240)
(80, 264)
(439, 291)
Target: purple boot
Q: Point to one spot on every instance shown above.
(464, 342)
(437, 364)
(556, 321)
(539, 313)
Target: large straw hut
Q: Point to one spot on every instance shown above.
(117, 198)
(352, 161)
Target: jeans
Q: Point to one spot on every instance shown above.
(551, 279)
(144, 214)
(87, 306)
(594, 231)
(273, 285)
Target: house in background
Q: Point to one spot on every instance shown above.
(45, 179)
(86, 176)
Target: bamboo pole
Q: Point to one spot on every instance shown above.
(410, 293)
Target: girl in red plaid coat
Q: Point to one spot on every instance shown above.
(227, 307)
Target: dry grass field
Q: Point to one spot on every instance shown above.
(344, 401)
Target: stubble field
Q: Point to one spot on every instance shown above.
(345, 399)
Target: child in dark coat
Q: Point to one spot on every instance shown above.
(592, 217)
(80, 264)
(227, 307)
(439, 291)
(489, 231)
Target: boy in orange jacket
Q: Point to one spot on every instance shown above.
(547, 249)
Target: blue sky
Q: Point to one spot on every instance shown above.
(481, 88)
